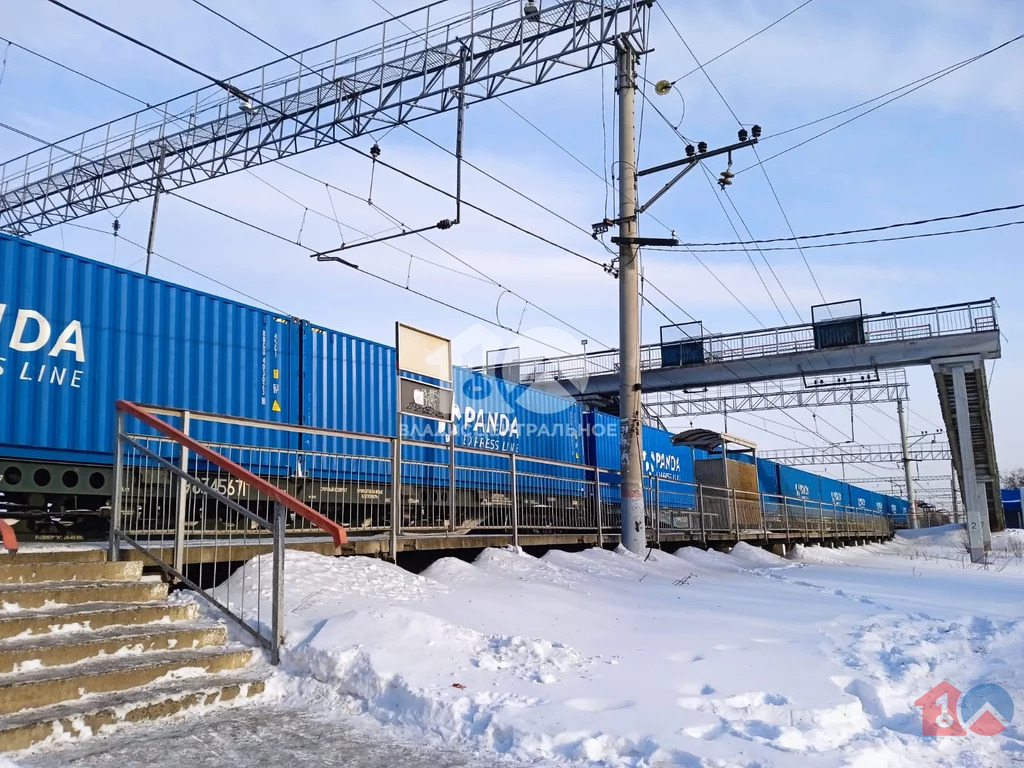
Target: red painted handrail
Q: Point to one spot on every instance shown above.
(304, 511)
(10, 540)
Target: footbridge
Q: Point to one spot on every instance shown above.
(840, 348)
(840, 340)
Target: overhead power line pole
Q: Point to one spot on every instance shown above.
(634, 531)
(906, 464)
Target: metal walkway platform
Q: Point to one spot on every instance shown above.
(819, 350)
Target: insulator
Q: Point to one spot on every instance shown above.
(375, 151)
(690, 151)
(742, 134)
(756, 131)
(702, 147)
(445, 224)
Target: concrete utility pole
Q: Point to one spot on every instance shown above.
(634, 530)
(906, 464)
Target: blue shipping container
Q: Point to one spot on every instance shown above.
(768, 477)
(834, 492)
(76, 335)
(662, 459)
(797, 484)
(601, 440)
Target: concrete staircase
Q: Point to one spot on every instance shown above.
(86, 645)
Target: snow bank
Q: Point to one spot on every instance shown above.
(694, 658)
(816, 554)
(758, 557)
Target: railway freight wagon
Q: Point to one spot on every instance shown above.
(77, 335)
(668, 469)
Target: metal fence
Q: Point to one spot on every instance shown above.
(173, 498)
(196, 504)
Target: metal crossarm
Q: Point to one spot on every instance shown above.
(318, 97)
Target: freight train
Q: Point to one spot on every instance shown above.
(76, 335)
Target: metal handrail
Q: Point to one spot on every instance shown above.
(8, 537)
(781, 339)
(337, 532)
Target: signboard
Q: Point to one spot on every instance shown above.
(417, 398)
(423, 353)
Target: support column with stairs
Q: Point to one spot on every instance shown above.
(963, 397)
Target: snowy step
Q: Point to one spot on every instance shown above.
(23, 596)
(45, 687)
(16, 572)
(64, 555)
(73, 647)
(95, 714)
(61, 619)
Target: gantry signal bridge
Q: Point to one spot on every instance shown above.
(320, 96)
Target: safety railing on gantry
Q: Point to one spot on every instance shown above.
(910, 325)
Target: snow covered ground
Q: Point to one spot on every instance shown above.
(606, 659)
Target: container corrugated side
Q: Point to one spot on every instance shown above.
(601, 438)
(834, 492)
(348, 384)
(870, 501)
(797, 484)
(768, 476)
(662, 459)
(92, 333)
(498, 415)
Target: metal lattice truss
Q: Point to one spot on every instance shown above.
(888, 387)
(323, 95)
(901, 480)
(860, 454)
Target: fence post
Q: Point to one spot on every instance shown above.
(764, 516)
(657, 511)
(821, 515)
(600, 512)
(730, 501)
(396, 496)
(451, 481)
(700, 515)
(277, 600)
(515, 503)
(114, 543)
(179, 523)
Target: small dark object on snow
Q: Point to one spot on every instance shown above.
(460, 686)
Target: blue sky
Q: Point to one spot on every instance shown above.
(949, 147)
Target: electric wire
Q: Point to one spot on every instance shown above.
(254, 175)
(760, 163)
(215, 80)
(869, 241)
(880, 228)
(742, 42)
(901, 91)
(374, 275)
